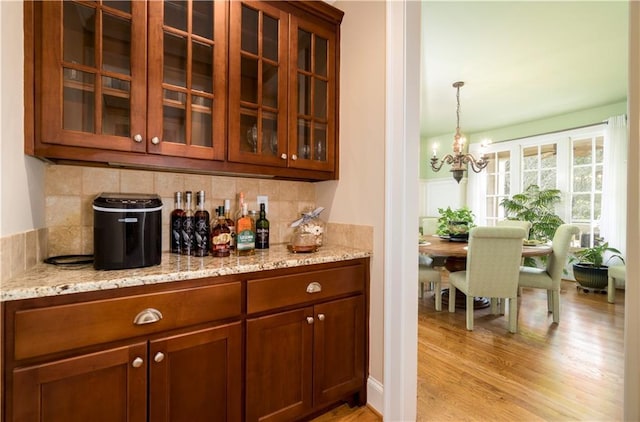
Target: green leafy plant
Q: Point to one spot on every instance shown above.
(594, 255)
(460, 215)
(538, 207)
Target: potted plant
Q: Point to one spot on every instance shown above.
(455, 223)
(536, 206)
(591, 270)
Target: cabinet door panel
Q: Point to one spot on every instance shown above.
(258, 84)
(187, 78)
(313, 95)
(279, 366)
(102, 386)
(197, 376)
(93, 62)
(339, 349)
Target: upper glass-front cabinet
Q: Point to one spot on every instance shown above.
(312, 87)
(258, 84)
(94, 75)
(187, 78)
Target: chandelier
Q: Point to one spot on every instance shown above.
(459, 161)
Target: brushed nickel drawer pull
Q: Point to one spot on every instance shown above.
(314, 287)
(137, 362)
(309, 320)
(147, 316)
(159, 357)
(321, 317)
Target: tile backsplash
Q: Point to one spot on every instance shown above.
(70, 190)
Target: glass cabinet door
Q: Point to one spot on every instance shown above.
(94, 68)
(312, 87)
(187, 74)
(258, 84)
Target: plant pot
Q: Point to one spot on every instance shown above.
(590, 277)
(458, 230)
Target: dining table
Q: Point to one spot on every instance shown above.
(452, 254)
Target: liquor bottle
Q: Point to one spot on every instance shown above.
(262, 230)
(201, 227)
(245, 233)
(175, 231)
(230, 223)
(187, 226)
(220, 236)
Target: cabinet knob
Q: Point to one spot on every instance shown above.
(137, 362)
(294, 157)
(283, 156)
(147, 316)
(314, 287)
(137, 138)
(155, 140)
(320, 317)
(309, 320)
(159, 357)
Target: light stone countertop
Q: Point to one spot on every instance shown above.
(50, 280)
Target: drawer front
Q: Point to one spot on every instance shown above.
(65, 327)
(276, 292)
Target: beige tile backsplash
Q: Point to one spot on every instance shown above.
(70, 191)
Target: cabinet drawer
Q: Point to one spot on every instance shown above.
(65, 327)
(276, 292)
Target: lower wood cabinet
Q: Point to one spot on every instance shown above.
(302, 360)
(294, 341)
(191, 377)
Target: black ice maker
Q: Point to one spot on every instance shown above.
(127, 231)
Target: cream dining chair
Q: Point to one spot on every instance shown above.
(493, 263)
(549, 278)
(526, 225)
(428, 273)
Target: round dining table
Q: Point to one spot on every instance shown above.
(453, 255)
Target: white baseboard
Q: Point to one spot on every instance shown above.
(375, 395)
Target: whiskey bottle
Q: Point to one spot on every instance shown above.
(175, 229)
(245, 234)
(220, 236)
(201, 227)
(262, 229)
(187, 226)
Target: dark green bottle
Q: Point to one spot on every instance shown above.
(262, 230)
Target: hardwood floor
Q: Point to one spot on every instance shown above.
(565, 372)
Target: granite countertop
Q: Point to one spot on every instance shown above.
(49, 280)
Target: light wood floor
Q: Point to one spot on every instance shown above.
(572, 371)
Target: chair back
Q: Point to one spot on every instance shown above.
(560, 245)
(429, 225)
(493, 261)
(526, 225)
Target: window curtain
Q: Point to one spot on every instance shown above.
(477, 189)
(613, 221)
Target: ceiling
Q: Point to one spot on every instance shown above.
(520, 61)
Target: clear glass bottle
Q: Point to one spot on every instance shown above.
(308, 232)
(262, 229)
(201, 227)
(230, 223)
(175, 229)
(245, 233)
(220, 236)
(187, 226)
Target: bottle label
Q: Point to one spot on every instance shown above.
(201, 234)
(262, 238)
(187, 235)
(245, 240)
(176, 237)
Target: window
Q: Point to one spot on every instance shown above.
(571, 161)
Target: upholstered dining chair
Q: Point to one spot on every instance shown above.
(526, 225)
(428, 269)
(493, 263)
(615, 272)
(549, 278)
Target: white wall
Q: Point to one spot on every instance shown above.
(358, 197)
(21, 177)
